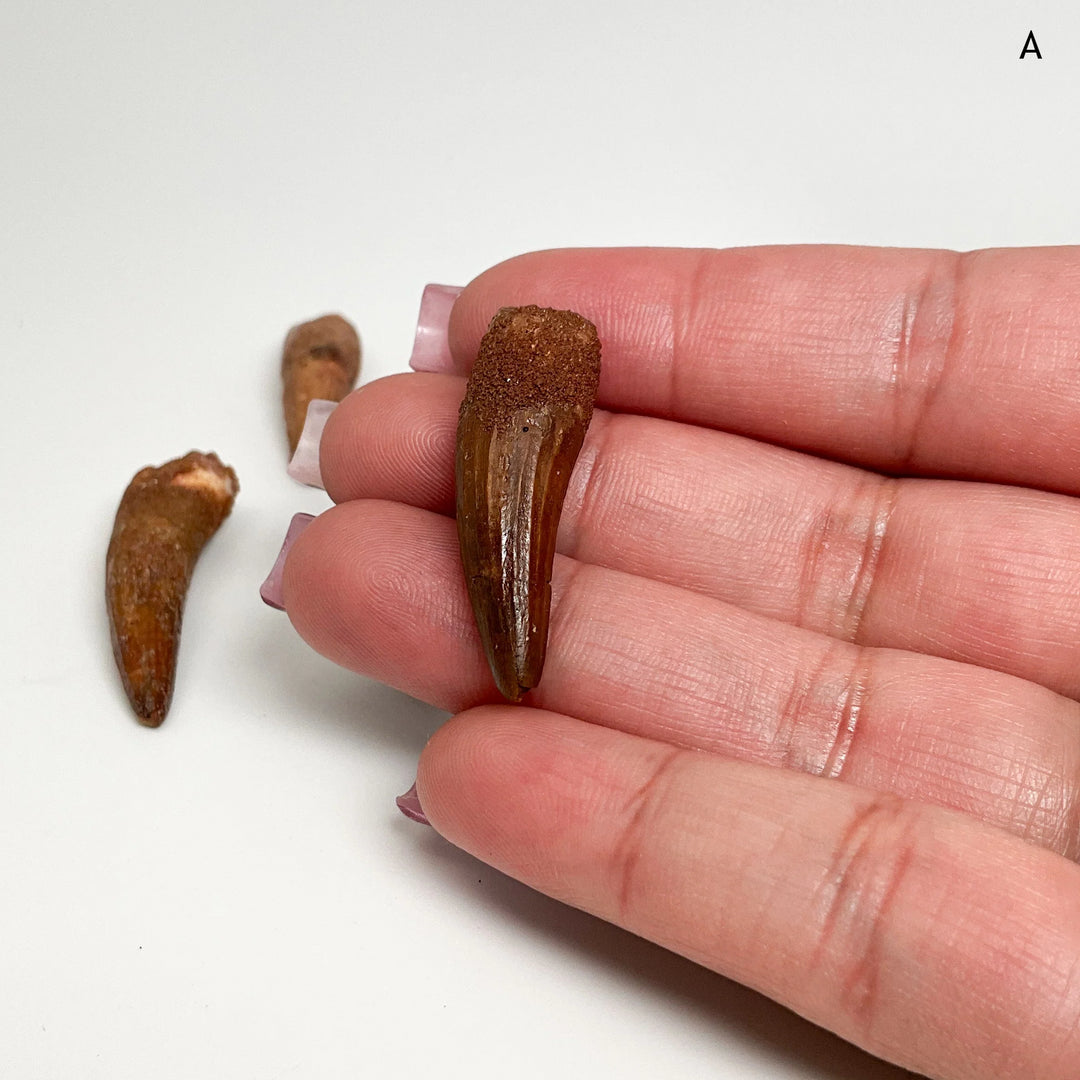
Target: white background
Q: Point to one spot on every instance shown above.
(235, 895)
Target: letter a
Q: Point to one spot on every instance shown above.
(1030, 45)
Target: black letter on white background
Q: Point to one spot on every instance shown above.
(1030, 45)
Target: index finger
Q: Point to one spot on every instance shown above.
(906, 361)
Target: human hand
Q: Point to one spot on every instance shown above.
(810, 726)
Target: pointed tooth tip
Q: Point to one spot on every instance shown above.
(511, 685)
(150, 709)
(147, 705)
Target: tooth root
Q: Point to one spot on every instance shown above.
(165, 517)
(526, 410)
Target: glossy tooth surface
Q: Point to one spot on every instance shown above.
(526, 410)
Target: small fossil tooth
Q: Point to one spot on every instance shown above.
(165, 517)
(320, 360)
(527, 407)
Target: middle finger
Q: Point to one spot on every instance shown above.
(981, 573)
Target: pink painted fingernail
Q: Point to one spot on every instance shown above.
(304, 464)
(270, 589)
(431, 349)
(409, 805)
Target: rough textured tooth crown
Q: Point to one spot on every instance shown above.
(534, 357)
(527, 407)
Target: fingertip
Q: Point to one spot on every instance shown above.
(547, 278)
(376, 587)
(629, 294)
(510, 784)
(330, 440)
(394, 439)
(471, 776)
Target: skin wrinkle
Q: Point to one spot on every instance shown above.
(646, 510)
(814, 547)
(583, 491)
(816, 738)
(870, 560)
(642, 806)
(660, 327)
(929, 312)
(1052, 808)
(864, 877)
(843, 591)
(792, 717)
(971, 773)
(850, 714)
(610, 666)
(1070, 824)
(1026, 796)
(685, 308)
(1021, 784)
(1066, 1006)
(814, 720)
(909, 308)
(1051, 801)
(1028, 971)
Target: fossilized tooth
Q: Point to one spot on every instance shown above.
(527, 407)
(165, 517)
(320, 360)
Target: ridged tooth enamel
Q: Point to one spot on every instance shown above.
(526, 410)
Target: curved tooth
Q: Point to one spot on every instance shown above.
(165, 517)
(522, 423)
(512, 481)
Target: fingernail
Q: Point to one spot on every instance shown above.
(304, 464)
(431, 349)
(409, 805)
(270, 590)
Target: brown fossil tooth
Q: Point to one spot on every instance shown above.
(527, 407)
(165, 517)
(320, 359)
